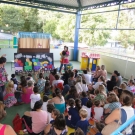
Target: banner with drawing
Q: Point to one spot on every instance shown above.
(33, 62)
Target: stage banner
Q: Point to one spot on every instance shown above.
(30, 62)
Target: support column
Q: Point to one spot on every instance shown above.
(77, 26)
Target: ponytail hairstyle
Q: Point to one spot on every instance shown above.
(58, 93)
(78, 104)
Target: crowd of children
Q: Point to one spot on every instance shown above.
(62, 102)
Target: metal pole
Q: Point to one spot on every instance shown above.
(126, 68)
(118, 17)
(77, 26)
(123, 126)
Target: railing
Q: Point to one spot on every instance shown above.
(124, 126)
(116, 54)
(8, 46)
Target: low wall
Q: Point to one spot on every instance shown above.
(124, 66)
(56, 53)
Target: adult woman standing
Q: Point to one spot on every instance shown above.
(64, 58)
(58, 101)
(5, 129)
(39, 118)
(3, 77)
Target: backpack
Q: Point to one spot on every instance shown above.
(17, 123)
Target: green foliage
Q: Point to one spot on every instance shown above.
(11, 19)
(62, 26)
(50, 27)
(32, 21)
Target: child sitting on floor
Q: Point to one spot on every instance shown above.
(84, 98)
(8, 96)
(45, 102)
(54, 114)
(83, 123)
(97, 111)
(88, 108)
(73, 113)
(34, 97)
(47, 88)
(50, 108)
(13, 78)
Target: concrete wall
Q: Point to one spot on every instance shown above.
(125, 67)
(10, 53)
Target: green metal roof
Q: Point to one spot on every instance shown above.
(70, 6)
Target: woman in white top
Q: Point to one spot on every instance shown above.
(125, 113)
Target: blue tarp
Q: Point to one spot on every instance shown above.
(33, 35)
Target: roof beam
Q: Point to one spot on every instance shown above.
(49, 4)
(107, 28)
(103, 5)
(36, 6)
(79, 4)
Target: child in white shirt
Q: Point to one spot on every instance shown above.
(88, 108)
(34, 97)
(45, 102)
(98, 110)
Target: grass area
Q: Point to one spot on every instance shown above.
(6, 44)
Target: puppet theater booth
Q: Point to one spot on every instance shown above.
(33, 53)
(89, 61)
(33, 42)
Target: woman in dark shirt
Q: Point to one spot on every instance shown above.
(111, 83)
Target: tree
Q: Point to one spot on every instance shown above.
(91, 36)
(50, 27)
(11, 19)
(127, 20)
(32, 21)
(66, 27)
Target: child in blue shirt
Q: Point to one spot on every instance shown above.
(83, 123)
(84, 98)
(73, 113)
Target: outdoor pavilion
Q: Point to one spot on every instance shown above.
(74, 7)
